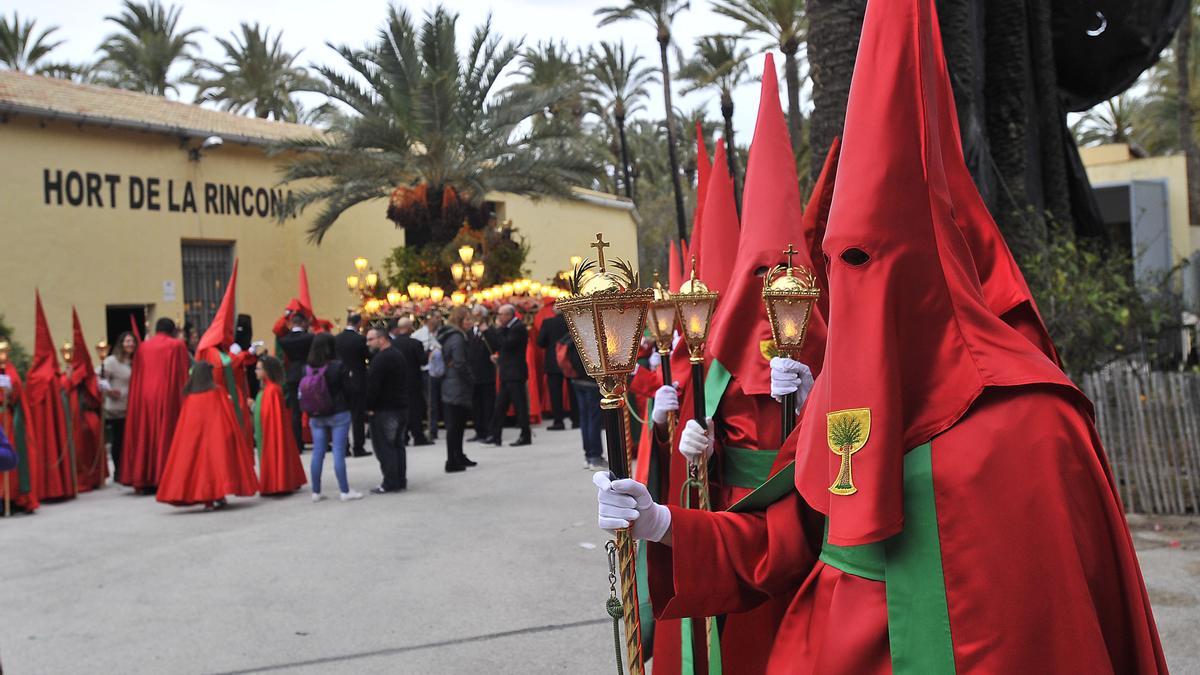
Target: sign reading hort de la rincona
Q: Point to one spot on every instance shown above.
(91, 189)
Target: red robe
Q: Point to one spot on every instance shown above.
(83, 406)
(47, 422)
(240, 396)
(160, 370)
(21, 490)
(209, 456)
(1068, 571)
(280, 470)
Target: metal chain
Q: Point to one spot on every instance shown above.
(613, 605)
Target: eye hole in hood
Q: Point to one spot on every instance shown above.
(855, 257)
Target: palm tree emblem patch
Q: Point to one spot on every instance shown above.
(848, 433)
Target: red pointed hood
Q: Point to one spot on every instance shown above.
(220, 331)
(911, 338)
(673, 274)
(81, 359)
(771, 219)
(1004, 286)
(305, 298)
(718, 233)
(45, 358)
(703, 176)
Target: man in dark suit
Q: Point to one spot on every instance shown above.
(479, 359)
(400, 332)
(352, 351)
(514, 373)
(295, 345)
(553, 328)
(387, 399)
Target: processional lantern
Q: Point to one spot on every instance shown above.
(662, 326)
(606, 315)
(694, 305)
(789, 292)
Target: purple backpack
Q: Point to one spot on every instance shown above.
(315, 399)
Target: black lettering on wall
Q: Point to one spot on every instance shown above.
(262, 203)
(232, 206)
(210, 199)
(248, 201)
(52, 186)
(137, 192)
(112, 179)
(152, 194)
(189, 197)
(93, 189)
(74, 188)
(172, 205)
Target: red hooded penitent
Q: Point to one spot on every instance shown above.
(229, 371)
(83, 398)
(47, 419)
(155, 397)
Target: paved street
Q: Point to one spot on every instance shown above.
(499, 570)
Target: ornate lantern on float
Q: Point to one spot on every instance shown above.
(789, 292)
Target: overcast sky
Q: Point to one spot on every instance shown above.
(307, 25)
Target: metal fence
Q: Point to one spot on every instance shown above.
(1150, 425)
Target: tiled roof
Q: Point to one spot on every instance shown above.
(53, 98)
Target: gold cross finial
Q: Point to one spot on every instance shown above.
(693, 267)
(789, 252)
(600, 245)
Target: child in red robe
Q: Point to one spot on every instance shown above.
(280, 470)
(208, 458)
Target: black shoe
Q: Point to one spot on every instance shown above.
(466, 461)
(557, 426)
(362, 453)
(454, 468)
(494, 440)
(524, 440)
(422, 442)
(476, 439)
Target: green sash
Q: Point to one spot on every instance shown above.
(70, 424)
(747, 468)
(231, 385)
(22, 448)
(258, 435)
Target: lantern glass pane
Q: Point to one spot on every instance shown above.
(622, 328)
(662, 318)
(791, 321)
(589, 349)
(694, 317)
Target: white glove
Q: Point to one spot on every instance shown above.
(5, 382)
(626, 503)
(235, 349)
(104, 385)
(789, 375)
(666, 400)
(655, 360)
(694, 442)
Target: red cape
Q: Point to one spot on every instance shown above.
(209, 457)
(47, 419)
(160, 370)
(235, 371)
(83, 395)
(280, 470)
(13, 413)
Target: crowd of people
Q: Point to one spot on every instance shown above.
(188, 417)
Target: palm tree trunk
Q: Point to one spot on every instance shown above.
(624, 157)
(731, 148)
(791, 72)
(1187, 141)
(834, 27)
(680, 219)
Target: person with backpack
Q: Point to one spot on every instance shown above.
(323, 397)
(587, 395)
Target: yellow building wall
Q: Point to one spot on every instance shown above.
(559, 229)
(93, 256)
(1112, 163)
(108, 255)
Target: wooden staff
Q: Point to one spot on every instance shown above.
(618, 466)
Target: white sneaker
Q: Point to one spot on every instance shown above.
(351, 496)
(317, 496)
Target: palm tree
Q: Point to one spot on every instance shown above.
(553, 67)
(719, 64)
(19, 49)
(257, 76)
(617, 86)
(781, 24)
(1112, 121)
(80, 73)
(660, 14)
(431, 131)
(141, 55)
